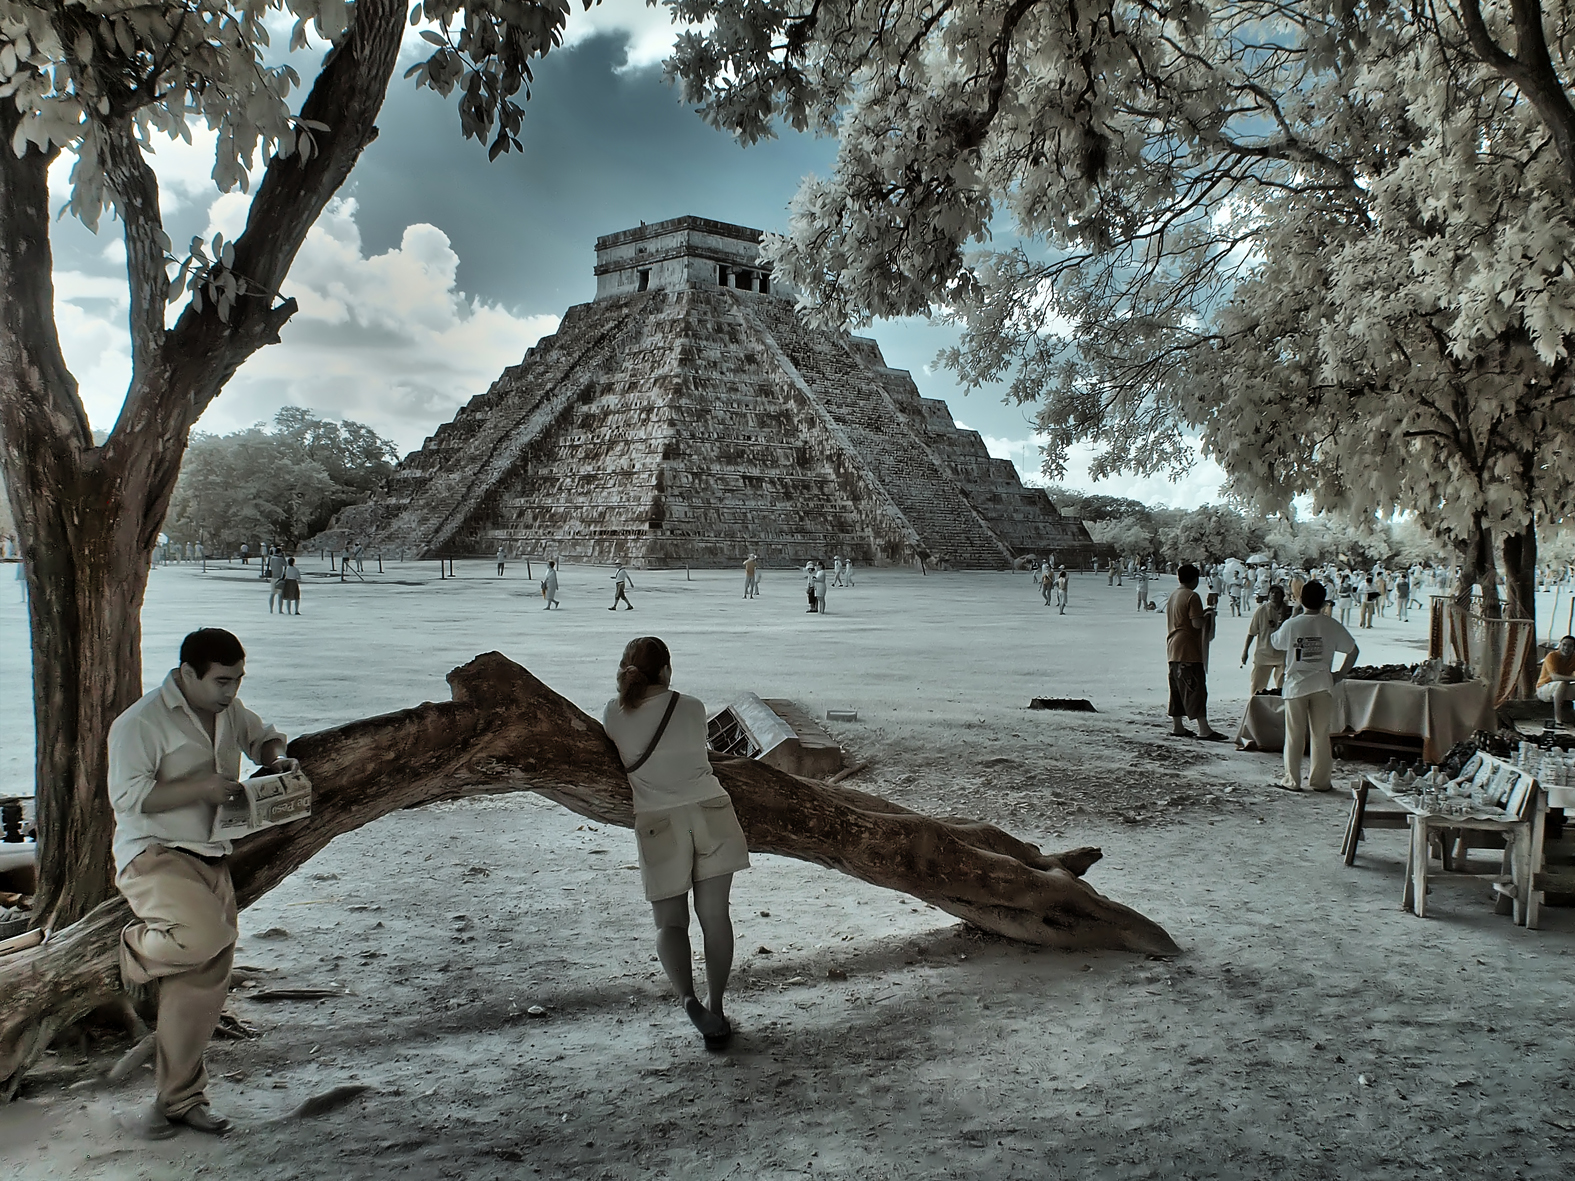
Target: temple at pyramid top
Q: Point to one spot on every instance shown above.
(681, 252)
(687, 415)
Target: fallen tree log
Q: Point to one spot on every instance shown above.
(505, 731)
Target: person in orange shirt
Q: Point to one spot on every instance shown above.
(1187, 623)
(1556, 683)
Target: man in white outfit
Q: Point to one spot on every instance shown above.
(549, 585)
(1309, 642)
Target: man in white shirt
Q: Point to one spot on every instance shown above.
(1309, 642)
(175, 756)
(549, 586)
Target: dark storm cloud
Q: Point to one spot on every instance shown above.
(604, 151)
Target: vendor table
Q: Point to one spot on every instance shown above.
(1440, 715)
(1522, 822)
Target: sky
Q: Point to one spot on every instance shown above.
(433, 270)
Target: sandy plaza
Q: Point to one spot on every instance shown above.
(497, 997)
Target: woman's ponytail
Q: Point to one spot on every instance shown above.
(643, 661)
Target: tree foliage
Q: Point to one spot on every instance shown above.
(266, 487)
(1332, 237)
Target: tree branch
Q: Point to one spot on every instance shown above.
(1530, 68)
(136, 192)
(202, 352)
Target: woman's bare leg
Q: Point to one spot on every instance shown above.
(716, 924)
(672, 943)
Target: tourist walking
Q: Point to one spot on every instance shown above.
(290, 596)
(1143, 603)
(751, 577)
(1061, 584)
(1403, 597)
(276, 568)
(1267, 661)
(847, 571)
(549, 585)
(1186, 619)
(818, 582)
(1046, 580)
(686, 830)
(1347, 596)
(1233, 592)
(501, 557)
(809, 586)
(174, 757)
(836, 566)
(621, 583)
(1309, 641)
(1367, 601)
(246, 551)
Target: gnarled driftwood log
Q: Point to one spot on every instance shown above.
(506, 731)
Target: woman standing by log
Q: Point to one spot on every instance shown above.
(688, 834)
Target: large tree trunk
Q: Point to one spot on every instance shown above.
(1479, 568)
(505, 731)
(1520, 594)
(45, 436)
(88, 517)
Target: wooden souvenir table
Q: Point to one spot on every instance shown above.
(1438, 715)
(1522, 822)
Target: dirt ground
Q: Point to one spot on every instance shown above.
(1309, 1029)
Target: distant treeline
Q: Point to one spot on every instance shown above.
(274, 484)
(1214, 532)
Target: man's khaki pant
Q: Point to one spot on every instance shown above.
(1303, 715)
(1261, 673)
(185, 939)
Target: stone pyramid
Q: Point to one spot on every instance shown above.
(687, 416)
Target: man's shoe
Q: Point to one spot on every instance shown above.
(202, 1119)
(150, 1124)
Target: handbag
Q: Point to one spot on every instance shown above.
(661, 728)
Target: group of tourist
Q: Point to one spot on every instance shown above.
(1053, 583)
(175, 758)
(816, 580)
(284, 581)
(1296, 645)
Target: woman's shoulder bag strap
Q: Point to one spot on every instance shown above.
(661, 728)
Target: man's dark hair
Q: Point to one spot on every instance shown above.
(1187, 575)
(209, 646)
(1314, 597)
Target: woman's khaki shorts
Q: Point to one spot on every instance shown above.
(684, 845)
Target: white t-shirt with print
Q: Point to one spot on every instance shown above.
(1309, 643)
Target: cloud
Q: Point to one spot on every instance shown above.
(1198, 486)
(650, 30)
(387, 339)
